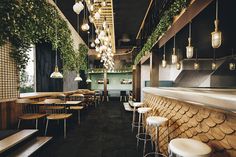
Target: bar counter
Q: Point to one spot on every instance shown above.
(205, 114)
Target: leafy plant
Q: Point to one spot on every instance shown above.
(80, 60)
(27, 22)
(166, 20)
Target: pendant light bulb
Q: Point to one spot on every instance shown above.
(216, 36)
(97, 15)
(103, 3)
(91, 19)
(164, 63)
(232, 64)
(78, 7)
(213, 66)
(92, 44)
(196, 66)
(189, 48)
(178, 66)
(174, 58)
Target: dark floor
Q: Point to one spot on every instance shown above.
(105, 131)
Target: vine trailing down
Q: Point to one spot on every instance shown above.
(164, 23)
(80, 60)
(27, 22)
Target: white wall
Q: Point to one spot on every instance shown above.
(169, 73)
(145, 76)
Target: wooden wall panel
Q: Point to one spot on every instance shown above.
(216, 128)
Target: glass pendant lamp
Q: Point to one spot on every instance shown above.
(213, 64)
(189, 48)
(164, 63)
(85, 25)
(216, 36)
(174, 57)
(78, 7)
(196, 64)
(232, 64)
(56, 73)
(78, 78)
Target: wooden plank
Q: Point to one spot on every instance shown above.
(145, 58)
(15, 139)
(31, 147)
(192, 11)
(154, 69)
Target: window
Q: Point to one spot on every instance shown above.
(27, 77)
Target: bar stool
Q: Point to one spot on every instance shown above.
(141, 111)
(154, 121)
(183, 147)
(135, 105)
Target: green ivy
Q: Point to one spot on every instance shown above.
(27, 22)
(80, 59)
(164, 23)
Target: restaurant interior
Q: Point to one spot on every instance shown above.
(117, 78)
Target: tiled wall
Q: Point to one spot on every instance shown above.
(216, 128)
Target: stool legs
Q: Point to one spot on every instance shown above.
(134, 110)
(139, 123)
(157, 139)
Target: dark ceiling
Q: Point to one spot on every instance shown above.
(128, 16)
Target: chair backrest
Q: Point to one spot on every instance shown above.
(27, 106)
(54, 106)
(77, 97)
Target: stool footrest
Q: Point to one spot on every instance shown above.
(136, 124)
(155, 154)
(143, 137)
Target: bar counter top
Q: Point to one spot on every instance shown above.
(209, 97)
(42, 94)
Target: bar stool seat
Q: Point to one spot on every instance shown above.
(189, 148)
(156, 121)
(144, 109)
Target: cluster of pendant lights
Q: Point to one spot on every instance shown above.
(102, 43)
(216, 39)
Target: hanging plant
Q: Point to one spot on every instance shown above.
(164, 23)
(79, 60)
(28, 22)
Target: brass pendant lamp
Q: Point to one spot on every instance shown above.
(56, 74)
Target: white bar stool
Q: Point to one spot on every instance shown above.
(141, 111)
(135, 105)
(155, 121)
(184, 147)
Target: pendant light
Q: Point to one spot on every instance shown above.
(85, 25)
(103, 3)
(78, 7)
(56, 73)
(232, 64)
(189, 48)
(92, 43)
(97, 15)
(196, 64)
(216, 36)
(174, 57)
(77, 78)
(164, 63)
(178, 64)
(88, 79)
(213, 64)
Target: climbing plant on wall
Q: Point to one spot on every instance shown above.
(165, 21)
(27, 22)
(80, 60)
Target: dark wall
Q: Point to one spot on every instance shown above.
(45, 63)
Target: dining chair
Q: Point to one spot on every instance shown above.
(56, 110)
(30, 111)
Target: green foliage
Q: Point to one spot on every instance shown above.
(80, 60)
(26, 22)
(164, 23)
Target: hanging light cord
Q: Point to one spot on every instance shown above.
(56, 33)
(190, 29)
(214, 55)
(164, 55)
(232, 53)
(216, 9)
(174, 41)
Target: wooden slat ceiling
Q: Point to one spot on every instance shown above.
(106, 13)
